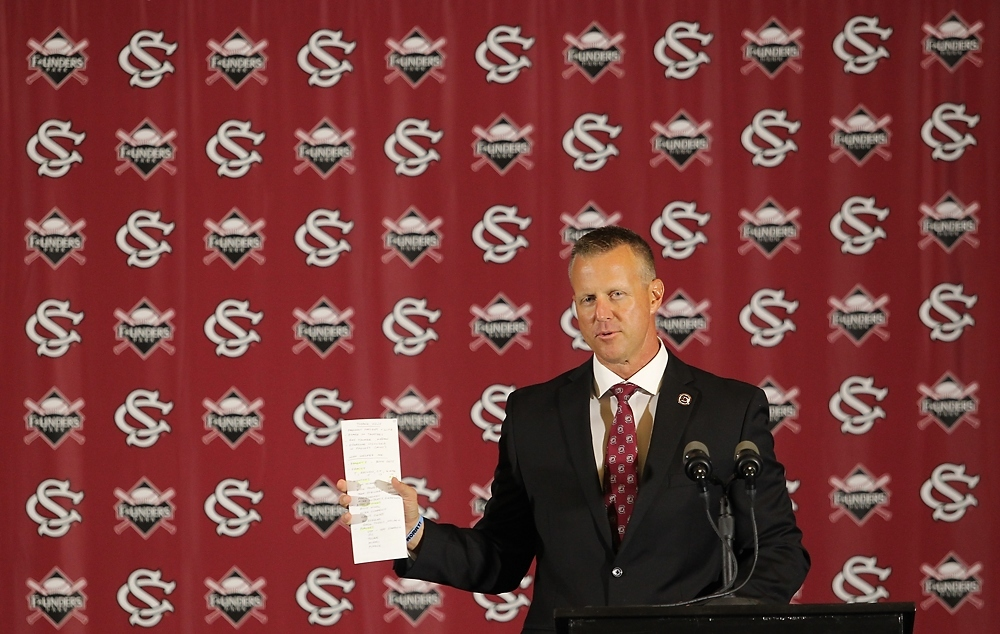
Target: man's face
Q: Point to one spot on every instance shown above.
(615, 309)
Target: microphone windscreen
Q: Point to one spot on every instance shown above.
(694, 445)
(697, 463)
(748, 461)
(746, 444)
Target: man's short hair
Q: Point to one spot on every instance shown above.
(604, 239)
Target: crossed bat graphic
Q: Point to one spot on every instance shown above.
(246, 230)
(697, 309)
(789, 216)
(73, 407)
(966, 392)
(701, 307)
(580, 46)
(662, 130)
(428, 406)
(218, 48)
(74, 588)
(845, 127)
(790, 396)
(126, 318)
(933, 213)
(307, 497)
(935, 33)
(218, 589)
(570, 221)
(971, 388)
(485, 316)
(339, 139)
(306, 318)
(76, 227)
(161, 498)
(128, 139)
(432, 48)
(934, 574)
(486, 135)
(431, 226)
(251, 408)
(869, 488)
(40, 48)
(393, 584)
(755, 38)
(482, 493)
(844, 308)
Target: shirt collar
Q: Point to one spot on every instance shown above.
(648, 378)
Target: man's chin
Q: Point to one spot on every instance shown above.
(607, 355)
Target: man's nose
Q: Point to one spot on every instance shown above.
(602, 309)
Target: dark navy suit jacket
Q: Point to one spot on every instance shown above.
(547, 505)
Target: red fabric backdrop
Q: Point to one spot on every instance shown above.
(228, 225)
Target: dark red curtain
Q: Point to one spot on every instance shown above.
(229, 225)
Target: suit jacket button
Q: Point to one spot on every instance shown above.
(617, 572)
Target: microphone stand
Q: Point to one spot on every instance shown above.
(727, 527)
(725, 593)
(724, 530)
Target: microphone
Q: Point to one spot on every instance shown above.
(697, 464)
(748, 463)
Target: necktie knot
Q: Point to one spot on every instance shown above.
(623, 391)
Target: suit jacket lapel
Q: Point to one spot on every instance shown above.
(671, 419)
(574, 415)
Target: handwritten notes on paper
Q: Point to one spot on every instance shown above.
(371, 460)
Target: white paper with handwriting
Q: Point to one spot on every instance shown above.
(371, 460)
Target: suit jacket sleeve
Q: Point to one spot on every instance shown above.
(494, 556)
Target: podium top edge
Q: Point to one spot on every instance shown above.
(776, 609)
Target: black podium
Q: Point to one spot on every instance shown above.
(867, 618)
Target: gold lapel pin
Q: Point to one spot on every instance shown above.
(684, 399)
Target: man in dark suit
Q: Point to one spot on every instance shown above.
(590, 481)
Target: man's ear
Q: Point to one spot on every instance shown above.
(655, 294)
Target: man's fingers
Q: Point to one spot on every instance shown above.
(411, 509)
(403, 489)
(349, 520)
(342, 485)
(345, 500)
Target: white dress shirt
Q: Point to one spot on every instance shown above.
(642, 402)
